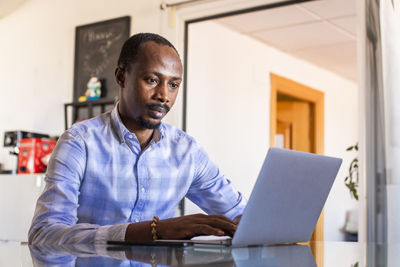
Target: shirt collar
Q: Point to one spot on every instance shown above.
(122, 131)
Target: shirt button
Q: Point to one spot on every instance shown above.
(143, 190)
(136, 220)
(130, 136)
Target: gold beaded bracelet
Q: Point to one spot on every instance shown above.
(153, 227)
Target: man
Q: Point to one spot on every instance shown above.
(112, 177)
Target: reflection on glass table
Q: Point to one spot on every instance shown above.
(331, 254)
(196, 255)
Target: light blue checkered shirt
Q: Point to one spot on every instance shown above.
(98, 181)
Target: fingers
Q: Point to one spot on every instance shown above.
(211, 218)
(203, 229)
(223, 223)
(237, 219)
(216, 221)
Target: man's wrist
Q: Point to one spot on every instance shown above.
(140, 231)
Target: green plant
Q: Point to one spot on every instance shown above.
(351, 181)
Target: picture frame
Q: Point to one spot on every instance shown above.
(97, 48)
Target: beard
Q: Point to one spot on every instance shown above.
(147, 124)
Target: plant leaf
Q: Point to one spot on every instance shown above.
(350, 181)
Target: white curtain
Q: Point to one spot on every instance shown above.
(382, 101)
(390, 36)
(382, 135)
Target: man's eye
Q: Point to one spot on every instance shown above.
(151, 80)
(174, 85)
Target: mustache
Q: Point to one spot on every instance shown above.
(159, 107)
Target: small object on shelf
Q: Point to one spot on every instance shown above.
(93, 91)
(12, 139)
(31, 153)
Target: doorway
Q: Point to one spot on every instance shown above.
(298, 105)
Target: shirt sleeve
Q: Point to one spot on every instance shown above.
(211, 191)
(55, 218)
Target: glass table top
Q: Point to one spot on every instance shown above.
(350, 254)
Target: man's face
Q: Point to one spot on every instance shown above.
(150, 86)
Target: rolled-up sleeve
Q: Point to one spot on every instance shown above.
(55, 219)
(212, 191)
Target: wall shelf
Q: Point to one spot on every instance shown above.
(85, 110)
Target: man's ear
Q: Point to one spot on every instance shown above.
(120, 76)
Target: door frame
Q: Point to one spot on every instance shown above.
(297, 90)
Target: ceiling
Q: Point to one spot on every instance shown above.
(320, 32)
(8, 6)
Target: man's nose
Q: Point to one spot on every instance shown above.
(161, 93)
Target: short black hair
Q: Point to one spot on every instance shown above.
(131, 47)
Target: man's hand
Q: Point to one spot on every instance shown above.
(184, 227)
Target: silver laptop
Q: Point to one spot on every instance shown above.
(287, 199)
(285, 203)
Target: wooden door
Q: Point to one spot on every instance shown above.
(294, 125)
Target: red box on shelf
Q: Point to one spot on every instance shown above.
(31, 151)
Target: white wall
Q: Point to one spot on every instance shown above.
(37, 57)
(228, 108)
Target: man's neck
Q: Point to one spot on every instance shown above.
(143, 135)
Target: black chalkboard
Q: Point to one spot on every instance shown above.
(97, 48)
